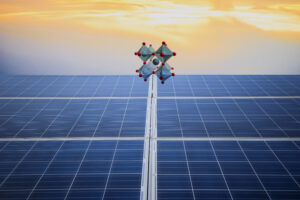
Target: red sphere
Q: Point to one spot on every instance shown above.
(144, 43)
(153, 72)
(145, 79)
(135, 53)
(139, 54)
(161, 78)
(140, 75)
(162, 54)
(164, 43)
(172, 68)
(150, 45)
(144, 62)
(162, 82)
(162, 64)
(173, 74)
(174, 53)
(153, 54)
(137, 71)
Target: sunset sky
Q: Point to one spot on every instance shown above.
(99, 37)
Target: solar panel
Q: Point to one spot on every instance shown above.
(112, 137)
(201, 123)
(228, 118)
(231, 85)
(73, 118)
(228, 169)
(72, 86)
(71, 169)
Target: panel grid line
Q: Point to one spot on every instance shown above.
(242, 150)
(289, 173)
(114, 154)
(269, 145)
(49, 163)
(184, 148)
(21, 160)
(40, 178)
(228, 189)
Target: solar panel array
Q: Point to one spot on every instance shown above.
(111, 137)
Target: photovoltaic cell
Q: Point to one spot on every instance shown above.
(231, 85)
(72, 118)
(70, 86)
(228, 118)
(71, 170)
(228, 170)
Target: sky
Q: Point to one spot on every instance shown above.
(96, 37)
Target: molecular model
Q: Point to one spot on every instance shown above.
(151, 61)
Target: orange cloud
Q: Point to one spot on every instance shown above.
(210, 32)
(267, 15)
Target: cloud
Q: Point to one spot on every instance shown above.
(225, 46)
(99, 37)
(233, 47)
(66, 5)
(222, 5)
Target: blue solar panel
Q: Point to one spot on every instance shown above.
(70, 86)
(76, 162)
(72, 118)
(228, 169)
(231, 85)
(71, 170)
(228, 118)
